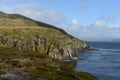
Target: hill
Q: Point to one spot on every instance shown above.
(17, 31)
(33, 50)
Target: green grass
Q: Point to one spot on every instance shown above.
(23, 31)
(26, 35)
(39, 65)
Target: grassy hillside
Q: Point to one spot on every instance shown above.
(17, 31)
(32, 50)
(29, 65)
(19, 20)
(35, 38)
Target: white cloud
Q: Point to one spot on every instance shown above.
(75, 22)
(99, 23)
(98, 31)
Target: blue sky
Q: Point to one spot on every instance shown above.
(90, 20)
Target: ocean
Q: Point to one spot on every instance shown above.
(104, 63)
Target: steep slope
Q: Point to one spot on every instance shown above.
(32, 50)
(17, 31)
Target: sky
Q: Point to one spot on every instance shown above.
(89, 20)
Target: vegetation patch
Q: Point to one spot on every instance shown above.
(38, 65)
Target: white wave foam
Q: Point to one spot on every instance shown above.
(109, 49)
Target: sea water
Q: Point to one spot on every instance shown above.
(104, 63)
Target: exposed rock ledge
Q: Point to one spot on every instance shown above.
(57, 51)
(70, 54)
(43, 45)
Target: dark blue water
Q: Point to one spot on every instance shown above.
(105, 63)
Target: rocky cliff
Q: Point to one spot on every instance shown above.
(17, 31)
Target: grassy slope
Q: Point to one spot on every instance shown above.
(25, 34)
(38, 65)
(24, 31)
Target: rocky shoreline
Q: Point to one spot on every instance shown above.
(72, 54)
(72, 60)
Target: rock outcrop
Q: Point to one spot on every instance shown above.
(42, 45)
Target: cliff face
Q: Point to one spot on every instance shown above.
(17, 31)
